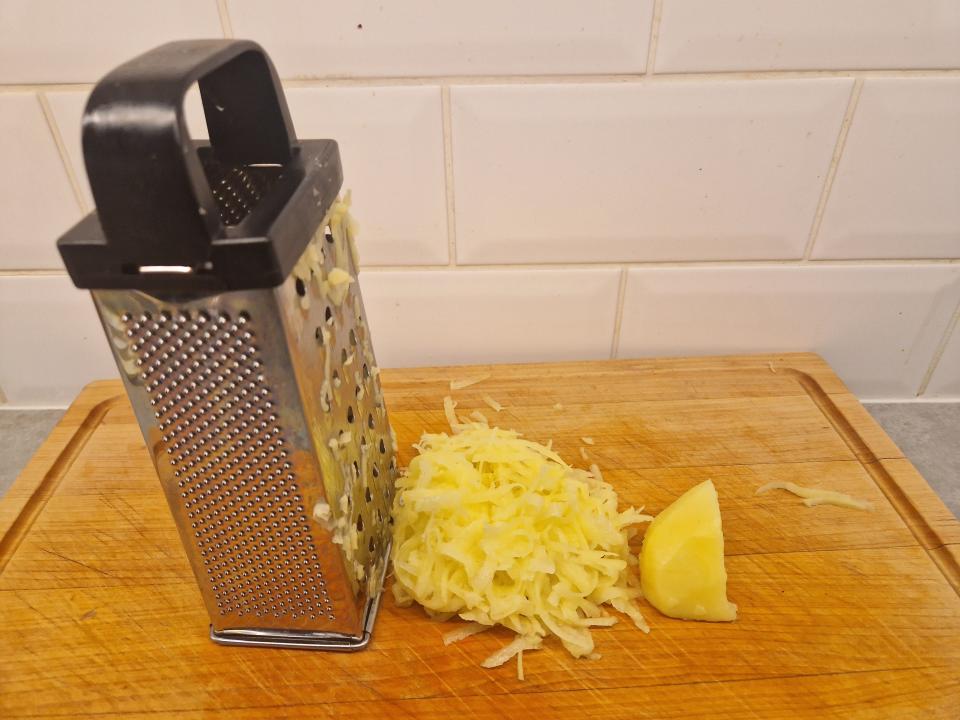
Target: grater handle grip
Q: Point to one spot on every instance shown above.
(153, 199)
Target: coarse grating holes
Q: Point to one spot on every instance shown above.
(350, 414)
(318, 334)
(300, 287)
(214, 408)
(353, 337)
(328, 315)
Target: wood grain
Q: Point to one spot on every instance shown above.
(844, 614)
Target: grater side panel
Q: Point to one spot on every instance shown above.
(333, 360)
(215, 395)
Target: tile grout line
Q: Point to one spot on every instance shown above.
(593, 79)
(225, 22)
(654, 38)
(447, 125)
(940, 350)
(62, 152)
(609, 265)
(618, 317)
(831, 174)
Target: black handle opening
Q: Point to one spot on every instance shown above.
(154, 201)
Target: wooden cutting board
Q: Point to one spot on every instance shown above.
(843, 613)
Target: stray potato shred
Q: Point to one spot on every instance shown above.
(817, 496)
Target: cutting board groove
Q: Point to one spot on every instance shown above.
(928, 538)
(47, 486)
(843, 614)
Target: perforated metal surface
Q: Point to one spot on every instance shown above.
(263, 412)
(218, 420)
(237, 189)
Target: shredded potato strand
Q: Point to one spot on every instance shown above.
(817, 496)
(463, 632)
(467, 382)
(501, 531)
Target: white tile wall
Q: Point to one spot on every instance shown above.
(897, 189)
(316, 38)
(53, 343)
(547, 144)
(391, 145)
(705, 35)
(456, 317)
(945, 381)
(36, 200)
(58, 41)
(878, 326)
(667, 171)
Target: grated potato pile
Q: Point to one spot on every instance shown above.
(499, 530)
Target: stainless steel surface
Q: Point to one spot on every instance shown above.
(264, 416)
(305, 641)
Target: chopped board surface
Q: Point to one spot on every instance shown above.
(843, 613)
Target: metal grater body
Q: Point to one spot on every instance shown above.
(263, 413)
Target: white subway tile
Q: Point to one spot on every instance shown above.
(421, 37)
(897, 189)
(665, 171)
(53, 343)
(459, 317)
(877, 326)
(945, 381)
(37, 203)
(704, 35)
(391, 145)
(51, 42)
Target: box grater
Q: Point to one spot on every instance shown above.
(224, 274)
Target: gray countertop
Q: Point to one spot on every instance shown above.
(928, 433)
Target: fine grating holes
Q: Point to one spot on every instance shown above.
(216, 415)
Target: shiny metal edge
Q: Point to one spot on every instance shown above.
(300, 640)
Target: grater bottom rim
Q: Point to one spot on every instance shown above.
(306, 640)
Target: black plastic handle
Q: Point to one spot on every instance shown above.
(153, 199)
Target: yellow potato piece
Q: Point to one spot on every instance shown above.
(681, 564)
